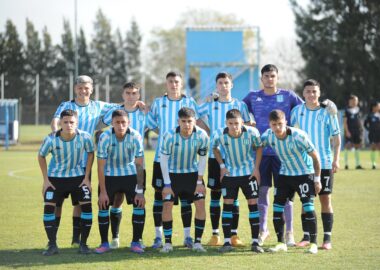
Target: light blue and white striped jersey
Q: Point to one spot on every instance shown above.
(292, 151)
(67, 156)
(88, 115)
(163, 115)
(240, 152)
(136, 118)
(183, 151)
(120, 155)
(215, 113)
(320, 126)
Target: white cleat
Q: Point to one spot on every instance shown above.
(167, 248)
(279, 247)
(115, 243)
(290, 239)
(199, 248)
(262, 236)
(313, 249)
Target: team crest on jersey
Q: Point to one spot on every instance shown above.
(129, 145)
(236, 107)
(290, 145)
(216, 108)
(141, 118)
(49, 195)
(163, 106)
(280, 98)
(246, 141)
(320, 118)
(78, 145)
(194, 143)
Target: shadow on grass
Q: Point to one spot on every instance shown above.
(34, 257)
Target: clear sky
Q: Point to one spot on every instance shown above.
(274, 17)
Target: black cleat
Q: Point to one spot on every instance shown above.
(373, 167)
(52, 249)
(225, 248)
(84, 249)
(346, 167)
(257, 249)
(359, 167)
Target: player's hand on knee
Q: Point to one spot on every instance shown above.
(103, 200)
(46, 185)
(140, 200)
(167, 191)
(86, 182)
(317, 187)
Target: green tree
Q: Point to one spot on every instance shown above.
(84, 61)
(339, 40)
(133, 52)
(49, 94)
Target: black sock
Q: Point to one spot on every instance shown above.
(50, 224)
(103, 221)
(115, 218)
(57, 223)
(306, 234)
(76, 229)
(254, 221)
(85, 222)
(186, 213)
(278, 221)
(168, 229)
(328, 220)
(215, 210)
(235, 217)
(311, 225)
(157, 209)
(199, 228)
(227, 220)
(138, 223)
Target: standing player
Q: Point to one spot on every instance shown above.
(353, 130)
(260, 104)
(131, 97)
(242, 148)
(215, 112)
(66, 175)
(183, 174)
(324, 133)
(120, 170)
(372, 124)
(163, 116)
(89, 114)
(300, 165)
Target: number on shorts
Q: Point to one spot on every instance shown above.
(254, 187)
(304, 188)
(327, 178)
(86, 192)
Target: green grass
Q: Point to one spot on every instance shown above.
(356, 234)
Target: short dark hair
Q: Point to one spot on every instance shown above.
(311, 82)
(276, 115)
(68, 112)
(352, 97)
(173, 74)
(269, 68)
(186, 112)
(131, 85)
(374, 104)
(117, 113)
(223, 75)
(233, 113)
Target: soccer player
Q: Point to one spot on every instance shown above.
(131, 96)
(243, 152)
(260, 104)
(183, 174)
(323, 130)
(372, 125)
(300, 172)
(215, 114)
(120, 169)
(353, 130)
(163, 116)
(89, 114)
(66, 175)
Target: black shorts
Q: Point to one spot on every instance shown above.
(356, 137)
(327, 181)
(74, 201)
(374, 137)
(67, 185)
(157, 179)
(183, 186)
(287, 185)
(213, 174)
(231, 185)
(121, 184)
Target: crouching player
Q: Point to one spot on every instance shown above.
(183, 174)
(300, 172)
(120, 169)
(66, 175)
(243, 152)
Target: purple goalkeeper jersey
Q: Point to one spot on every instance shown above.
(261, 104)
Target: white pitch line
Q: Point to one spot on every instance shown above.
(13, 174)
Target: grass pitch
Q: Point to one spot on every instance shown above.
(356, 234)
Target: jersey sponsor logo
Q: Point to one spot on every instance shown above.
(113, 145)
(49, 195)
(58, 148)
(226, 144)
(280, 98)
(163, 106)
